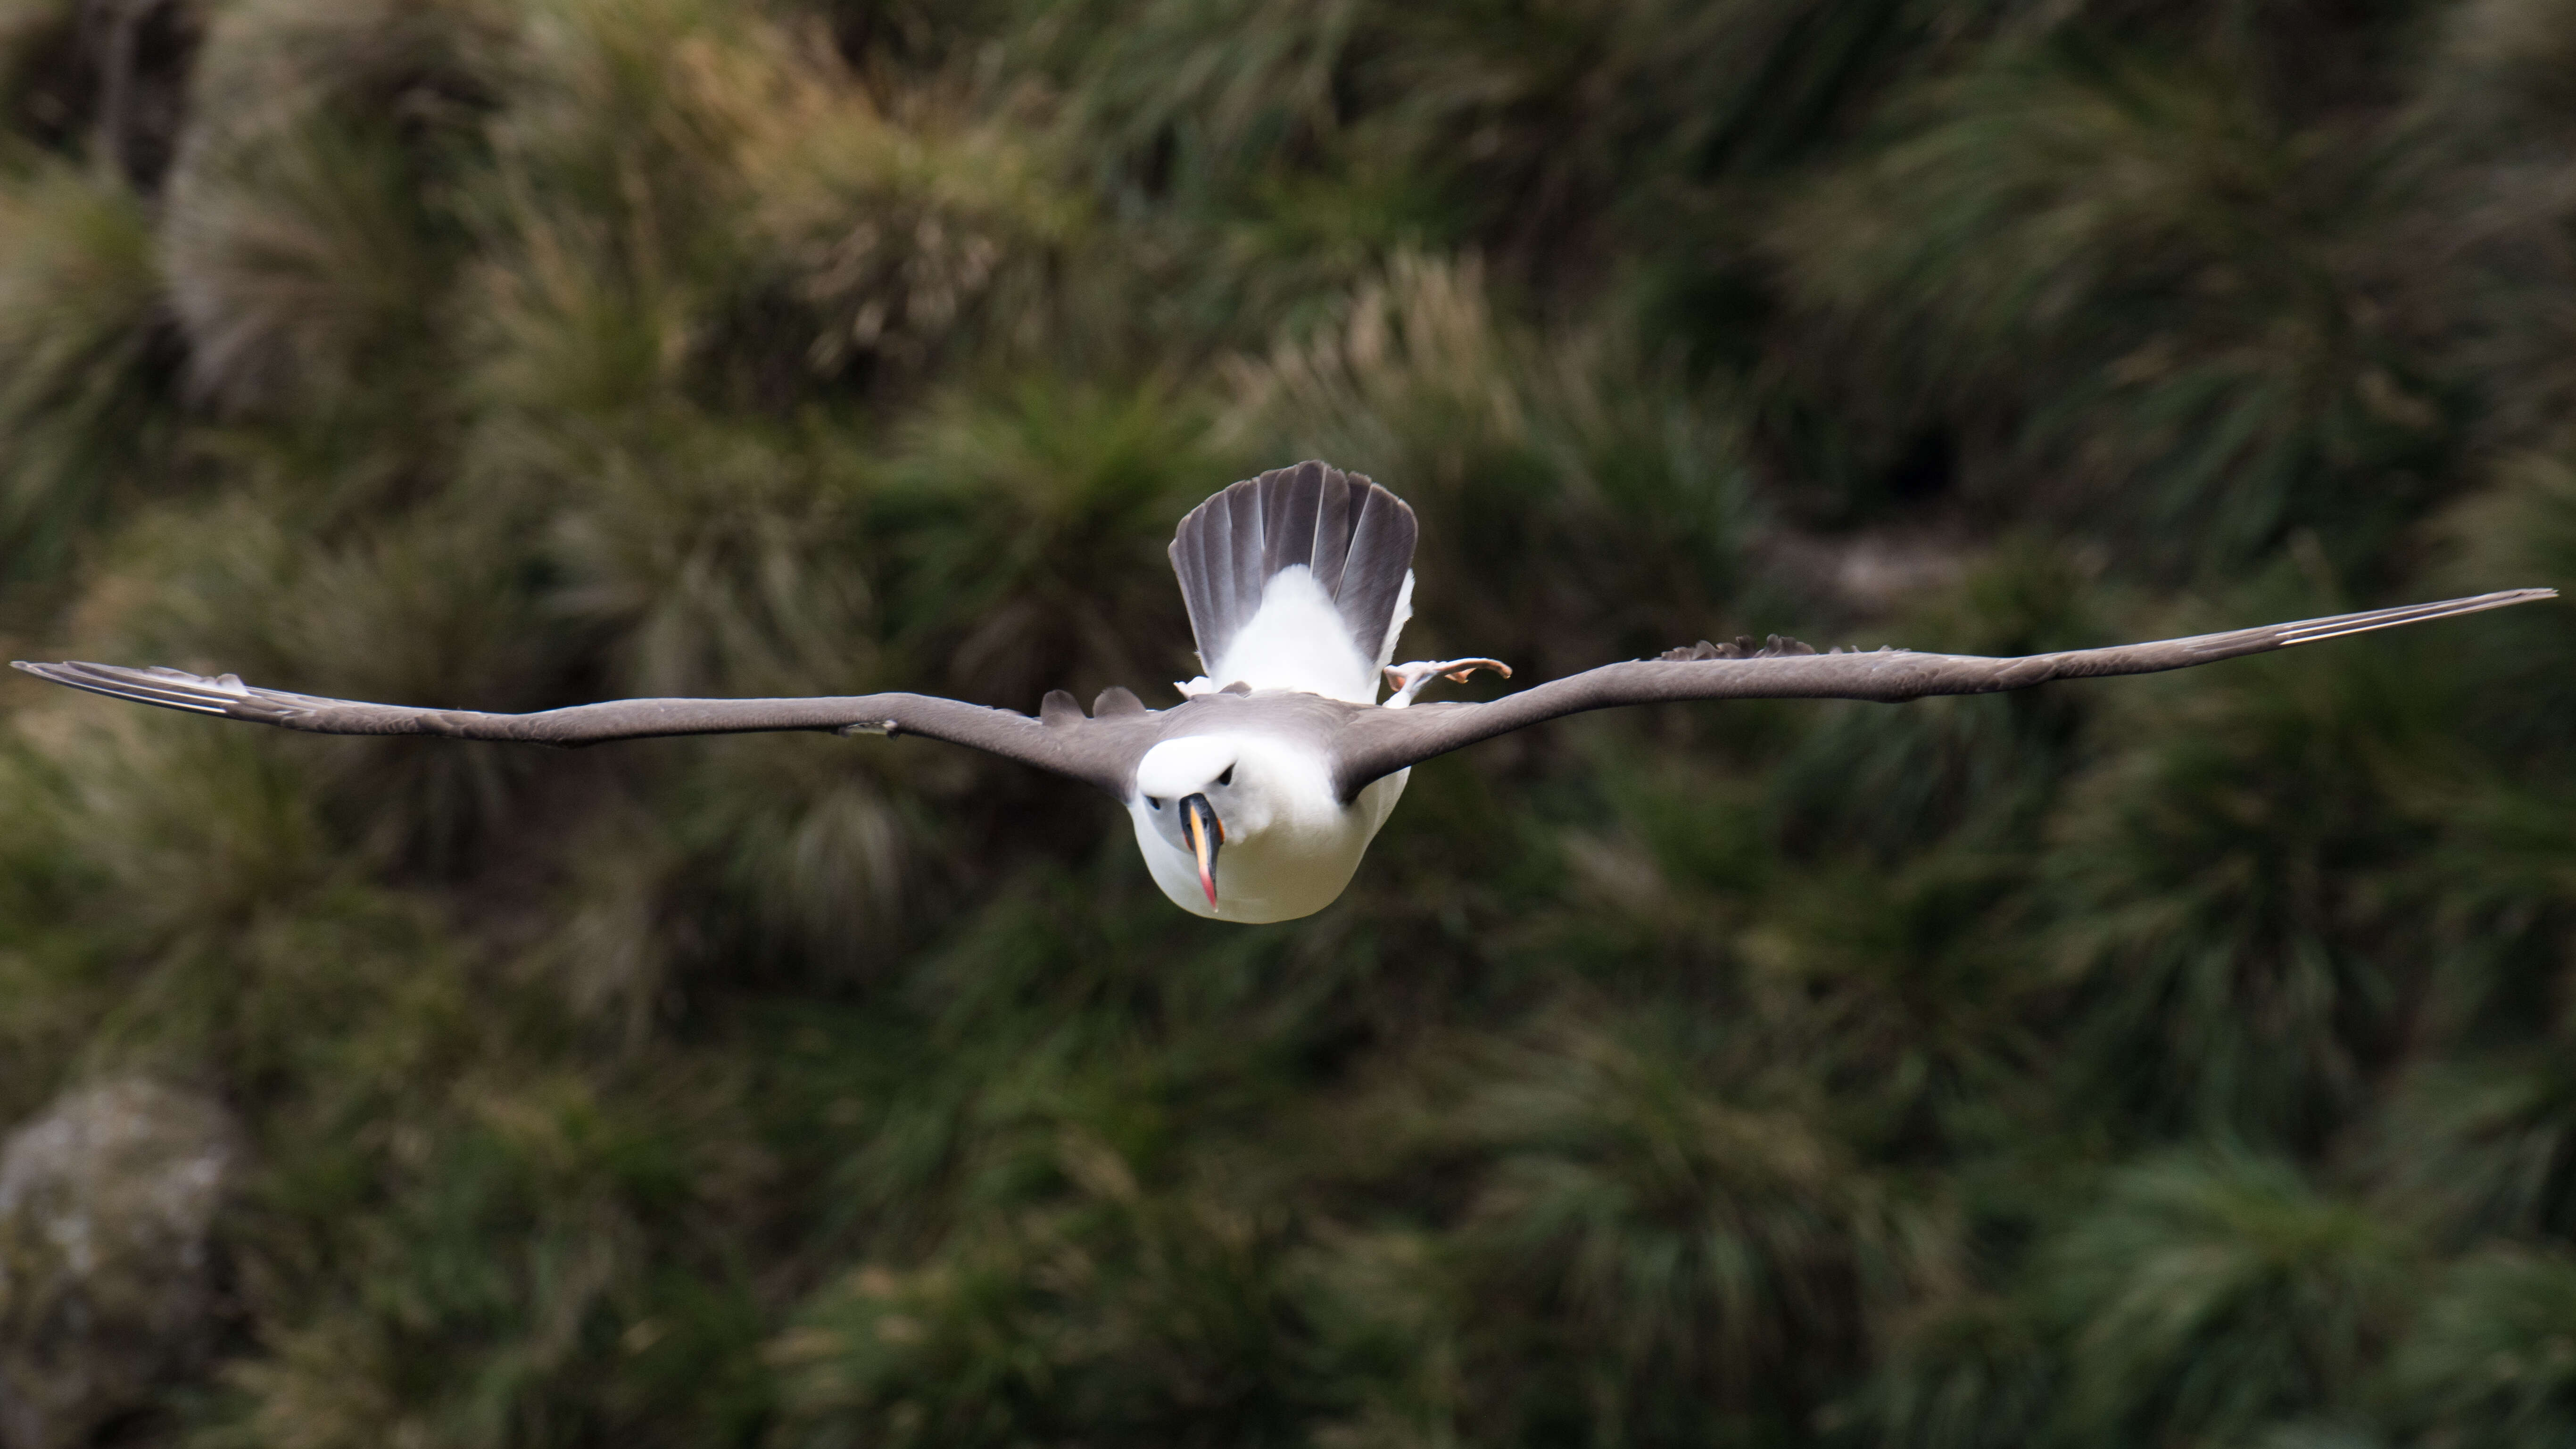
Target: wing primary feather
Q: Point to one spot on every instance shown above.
(2341, 625)
(96, 680)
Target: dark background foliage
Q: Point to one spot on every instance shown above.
(2166, 1062)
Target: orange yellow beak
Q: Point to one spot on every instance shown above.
(1204, 832)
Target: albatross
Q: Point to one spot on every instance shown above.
(1254, 798)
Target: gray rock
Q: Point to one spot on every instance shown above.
(106, 1203)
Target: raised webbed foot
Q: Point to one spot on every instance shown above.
(1407, 679)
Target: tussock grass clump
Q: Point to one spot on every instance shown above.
(2213, 1296)
(91, 354)
(2151, 1062)
(2157, 251)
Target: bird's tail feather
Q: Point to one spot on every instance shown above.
(1355, 537)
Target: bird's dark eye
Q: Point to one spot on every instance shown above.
(1228, 777)
(1150, 800)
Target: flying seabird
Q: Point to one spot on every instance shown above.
(1254, 798)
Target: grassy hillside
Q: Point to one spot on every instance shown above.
(2168, 1062)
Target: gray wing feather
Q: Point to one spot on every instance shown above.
(1098, 752)
(1380, 742)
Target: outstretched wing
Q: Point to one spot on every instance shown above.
(1380, 742)
(1099, 752)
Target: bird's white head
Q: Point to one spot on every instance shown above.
(1189, 765)
(1193, 792)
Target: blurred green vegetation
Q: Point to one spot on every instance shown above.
(2168, 1062)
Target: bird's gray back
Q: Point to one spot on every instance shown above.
(1119, 731)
